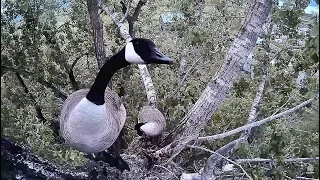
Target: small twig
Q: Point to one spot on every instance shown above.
(185, 76)
(212, 152)
(167, 170)
(291, 97)
(127, 11)
(258, 123)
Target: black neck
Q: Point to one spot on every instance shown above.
(96, 93)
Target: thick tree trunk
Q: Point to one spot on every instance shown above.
(220, 85)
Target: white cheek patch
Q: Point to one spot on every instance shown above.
(131, 55)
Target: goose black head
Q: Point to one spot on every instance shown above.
(144, 51)
(137, 128)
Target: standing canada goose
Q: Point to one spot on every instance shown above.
(151, 122)
(91, 119)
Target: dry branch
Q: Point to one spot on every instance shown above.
(214, 161)
(205, 174)
(213, 165)
(258, 123)
(291, 160)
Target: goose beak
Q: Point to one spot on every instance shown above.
(159, 58)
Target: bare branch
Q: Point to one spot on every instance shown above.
(127, 11)
(221, 156)
(258, 123)
(291, 160)
(304, 178)
(56, 91)
(213, 162)
(185, 76)
(253, 111)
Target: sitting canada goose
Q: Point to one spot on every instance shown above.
(151, 122)
(91, 119)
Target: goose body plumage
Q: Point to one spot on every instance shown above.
(151, 121)
(90, 128)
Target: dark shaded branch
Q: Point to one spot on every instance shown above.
(26, 90)
(56, 91)
(50, 37)
(17, 159)
(72, 78)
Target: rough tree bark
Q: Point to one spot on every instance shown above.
(220, 85)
